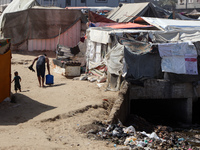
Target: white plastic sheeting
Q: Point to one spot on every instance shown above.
(171, 24)
(93, 54)
(100, 36)
(114, 59)
(179, 58)
(174, 36)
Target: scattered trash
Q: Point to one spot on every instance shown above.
(181, 139)
(161, 138)
(102, 79)
(130, 140)
(92, 79)
(83, 77)
(130, 129)
(100, 85)
(153, 135)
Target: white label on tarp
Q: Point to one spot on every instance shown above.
(191, 66)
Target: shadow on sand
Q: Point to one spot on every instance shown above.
(54, 85)
(21, 111)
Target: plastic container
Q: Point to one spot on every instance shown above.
(49, 79)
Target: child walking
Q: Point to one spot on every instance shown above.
(17, 80)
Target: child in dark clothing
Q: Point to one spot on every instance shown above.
(17, 80)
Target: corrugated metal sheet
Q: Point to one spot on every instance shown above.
(5, 76)
(69, 38)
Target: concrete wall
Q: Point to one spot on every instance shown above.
(95, 3)
(89, 3)
(190, 4)
(120, 109)
(4, 2)
(157, 98)
(178, 95)
(161, 89)
(57, 3)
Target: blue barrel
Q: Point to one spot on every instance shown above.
(49, 79)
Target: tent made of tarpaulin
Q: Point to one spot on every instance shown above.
(35, 26)
(18, 5)
(170, 24)
(5, 69)
(128, 12)
(141, 60)
(194, 13)
(102, 34)
(182, 17)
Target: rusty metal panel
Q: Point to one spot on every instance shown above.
(69, 38)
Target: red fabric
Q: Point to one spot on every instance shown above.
(98, 18)
(191, 59)
(129, 25)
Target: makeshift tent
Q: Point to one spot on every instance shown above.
(5, 69)
(182, 17)
(18, 5)
(39, 28)
(142, 61)
(170, 24)
(135, 54)
(162, 12)
(194, 13)
(128, 12)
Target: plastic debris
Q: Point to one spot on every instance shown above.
(181, 139)
(83, 77)
(102, 79)
(130, 140)
(92, 79)
(130, 129)
(161, 138)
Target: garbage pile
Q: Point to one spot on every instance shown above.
(161, 138)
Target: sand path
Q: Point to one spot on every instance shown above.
(50, 118)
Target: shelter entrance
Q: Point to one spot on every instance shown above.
(164, 111)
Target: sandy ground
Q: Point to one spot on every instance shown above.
(50, 118)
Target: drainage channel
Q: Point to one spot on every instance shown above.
(170, 112)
